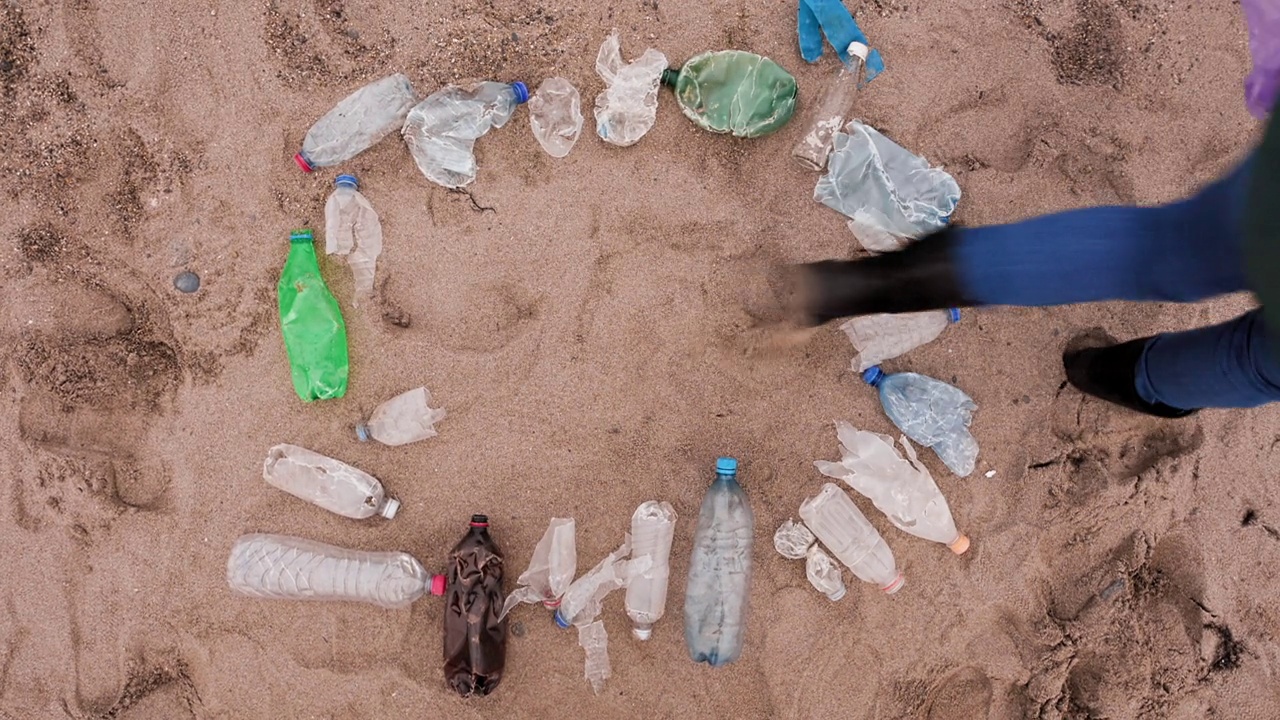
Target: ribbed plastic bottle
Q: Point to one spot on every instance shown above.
(653, 526)
(328, 483)
(719, 584)
(842, 527)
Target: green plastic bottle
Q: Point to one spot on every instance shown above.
(731, 91)
(315, 337)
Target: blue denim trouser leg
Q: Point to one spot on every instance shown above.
(1181, 252)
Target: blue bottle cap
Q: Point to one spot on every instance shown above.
(521, 91)
(301, 236)
(872, 375)
(561, 622)
(362, 432)
(347, 181)
(954, 314)
(726, 466)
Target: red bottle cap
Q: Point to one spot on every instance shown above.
(437, 584)
(302, 162)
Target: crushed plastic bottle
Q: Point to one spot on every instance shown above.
(824, 573)
(555, 116)
(555, 560)
(403, 419)
(594, 642)
(315, 335)
(628, 106)
(930, 412)
(475, 636)
(842, 527)
(357, 123)
(884, 337)
(901, 489)
(716, 593)
(832, 110)
(731, 91)
(653, 526)
(279, 567)
(884, 188)
(328, 483)
(441, 131)
(352, 229)
(792, 540)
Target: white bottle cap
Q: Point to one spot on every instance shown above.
(642, 632)
(389, 508)
(858, 49)
(834, 597)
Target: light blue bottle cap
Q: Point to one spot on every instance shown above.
(347, 181)
(301, 236)
(362, 432)
(954, 314)
(726, 466)
(522, 92)
(872, 375)
(561, 622)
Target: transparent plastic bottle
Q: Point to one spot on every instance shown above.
(842, 527)
(824, 573)
(279, 567)
(583, 600)
(653, 525)
(901, 489)
(555, 116)
(831, 111)
(716, 594)
(792, 540)
(331, 484)
(555, 560)
(403, 419)
(357, 123)
(352, 229)
(441, 131)
(628, 106)
(884, 337)
(930, 412)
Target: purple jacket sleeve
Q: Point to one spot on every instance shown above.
(1263, 84)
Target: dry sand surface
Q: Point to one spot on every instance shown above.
(582, 322)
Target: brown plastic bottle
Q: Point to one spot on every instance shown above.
(475, 640)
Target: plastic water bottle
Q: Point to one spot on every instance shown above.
(279, 567)
(352, 229)
(628, 106)
(831, 111)
(403, 419)
(475, 636)
(884, 337)
(930, 412)
(331, 484)
(653, 525)
(315, 335)
(584, 598)
(555, 560)
(792, 540)
(824, 573)
(715, 601)
(555, 116)
(441, 131)
(901, 489)
(357, 123)
(732, 91)
(842, 527)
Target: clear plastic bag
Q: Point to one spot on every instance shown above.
(627, 108)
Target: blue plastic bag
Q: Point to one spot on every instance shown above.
(1263, 84)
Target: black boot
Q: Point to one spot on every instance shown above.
(1110, 372)
(921, 277)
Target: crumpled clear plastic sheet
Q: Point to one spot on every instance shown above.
(885, 189)
(1263, 85)
(628, 106)
(792, 540)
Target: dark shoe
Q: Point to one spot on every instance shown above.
(921, 277)
(1110, 373)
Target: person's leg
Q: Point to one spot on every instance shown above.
(1232, 365)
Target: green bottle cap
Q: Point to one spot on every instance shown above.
(301, 236)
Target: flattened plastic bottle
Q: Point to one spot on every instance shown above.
(403, 419)
(824, 573)
(832, 110)
(279, 567)
(884, 337)
(555, 116)
(315, 335)
(932, 413)
(717, 592)
(475, 634)
(792, 540)
(842, 527)
(653, 526)
(628, 106)
(328, 483)
(442, 130)
(357, 123)
(555, 560)
(731, 91)
(352, 229)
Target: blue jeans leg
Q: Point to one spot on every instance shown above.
(1231, 365)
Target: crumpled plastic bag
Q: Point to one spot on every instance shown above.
(1263, 85)
(627, 108)
(887, 191)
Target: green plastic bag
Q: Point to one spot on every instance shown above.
(731, 91)
(315, 337)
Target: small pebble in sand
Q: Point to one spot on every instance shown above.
(991, 473)
(187, 282)
(517, 629)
